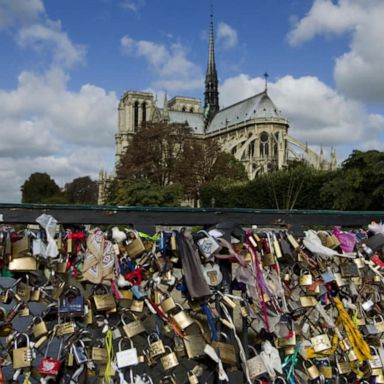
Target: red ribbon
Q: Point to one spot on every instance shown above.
(77, 237)
(134, 277)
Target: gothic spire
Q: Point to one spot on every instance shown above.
(211, 94)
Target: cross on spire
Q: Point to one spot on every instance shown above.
(266, 75)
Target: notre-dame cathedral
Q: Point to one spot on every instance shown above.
(253, 130)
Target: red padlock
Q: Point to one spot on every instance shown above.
(50, 366)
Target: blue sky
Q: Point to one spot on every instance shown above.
(65, 63)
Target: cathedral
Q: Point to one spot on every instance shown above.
(253, 130)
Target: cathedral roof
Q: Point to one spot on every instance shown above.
(194, 120)
(257, 106)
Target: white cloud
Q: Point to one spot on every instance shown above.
(227, 35)
(357, 72)
(51, 37)
(169, 63)
(132, 5)
(20, 12)
(317, 113)
(45, 127)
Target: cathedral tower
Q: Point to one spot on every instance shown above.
(211, 94)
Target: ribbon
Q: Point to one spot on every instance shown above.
(144, 235)
(49, 224)
(109, 347)
(211, 322)
(359, 345)
(26, 378)
(135, 277)
(291, 361)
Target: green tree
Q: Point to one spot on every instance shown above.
(82, 190)
(168, 160)
(40, 188)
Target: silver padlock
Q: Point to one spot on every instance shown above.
(127, 357)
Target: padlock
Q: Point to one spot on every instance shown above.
(340, 281)
(134, 246)
(345, 345)
(103, 301)
(39, 343)
(255, 365)
(293, 241)
(349, 269)
(66, 328)
(35, 294)
(305, 278)
(99, 354)
(50, 366)
(132, 328)
(359, 261)
(22, 357)
(24, 310)
(308, 301)
(182, 318)
(137, 306)
(311, 369)
(22, 247)
(321, 343)
(212, 274)
(325, 368)
(39, 327)
(23, 264)
(352, 355)
(155, 345)
(343, 366)
(127, 357)
(169, 361)
(89, 317)
(79, 352)
(24, 291)
(290, 341)
(207, 245)
(268, 259)
(61, 265)
(369, 329)
(6, 296)
(226, 350)
(194, 345)
(58, 287)
(379, 324)
(167, 304)
(375, 364)
(71, 303)
(168, 379)
(179, 347)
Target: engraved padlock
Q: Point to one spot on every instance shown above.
(195, 343)
(305, 278)
(182, 318)
(104, 300)
(155, 345)
(326, 368)
(343, 366)
(167, 304)
(132, 328)
(127, 357)
(255, 365)
(99, 354)
(321, 343)
(22, 356)
(134, 246)
(137, 306)
(169, 361)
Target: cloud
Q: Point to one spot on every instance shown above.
(168, 62)
(357, 71)
(317, 113)
(40, 37)
(20, 12)
(132, 5)
(226, 35)
(45, 127)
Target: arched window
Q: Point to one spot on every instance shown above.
(184, 108)
(191, 110)
(251, 148)
(144, 106)
(264, 147)
(136, 115)
(275, 144)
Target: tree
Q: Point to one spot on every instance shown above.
(40, 188)
(162, 155)
(82, 190)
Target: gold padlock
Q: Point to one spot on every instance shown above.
(268, 259)
(22, 357)
(192, 378)
(132, 328)
(343, 366)
(65, 328)
(226, 350)
(345, 345)
(326, 370)
(375, 365)
(379, 324)
(89, 318)
(168, 304)
(137, 306)
(35, 294)
(194, 345)
(99, 355)
(311, 369)
(321, 343)
(135, 246)
(155, 346)
(169, 360)
(308, 301)
(24, 291)
(283, 342)
(39, 328)
(182, 318)
(23, 264)
(305, 278)
(104, 301)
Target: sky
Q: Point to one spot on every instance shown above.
(64, 64)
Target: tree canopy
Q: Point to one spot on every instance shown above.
(39, 188)
(82, 190)
(168, 159)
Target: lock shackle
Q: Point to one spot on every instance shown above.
(151, 336)
(127, 312)
(125, 339)
(167, 347)
(279, 379)
(17, 338)
(253, 349)
(36, 318)
(97, 287)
